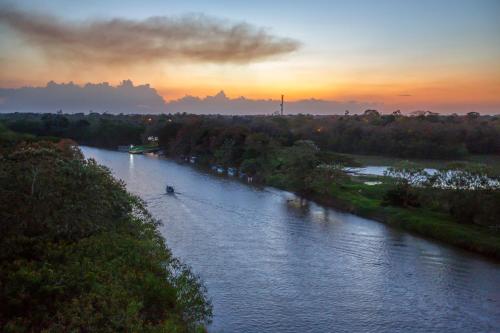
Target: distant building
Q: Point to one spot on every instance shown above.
(232, 172)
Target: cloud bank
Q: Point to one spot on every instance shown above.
(127, 98)
(122, 41)
(221, 104)
(72, 98)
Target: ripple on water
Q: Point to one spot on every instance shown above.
(272, 266)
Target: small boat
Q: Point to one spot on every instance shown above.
(170, 189)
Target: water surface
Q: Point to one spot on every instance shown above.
(274, 263)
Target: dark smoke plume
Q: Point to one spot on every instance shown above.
(122, 41)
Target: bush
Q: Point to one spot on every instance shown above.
(402, 195)
(79, 253)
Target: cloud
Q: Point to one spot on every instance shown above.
(197, 38)
(71, 98)
(221, 104)
(128, 98)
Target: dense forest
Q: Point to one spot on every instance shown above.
(458, 204)
(428, 135)
(78, 253)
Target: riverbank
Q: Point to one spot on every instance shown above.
(367, 201)
(256, 248)
(285, 153)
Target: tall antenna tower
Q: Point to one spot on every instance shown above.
(281, 105)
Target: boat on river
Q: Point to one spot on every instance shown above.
(149, 148)
(169, 189)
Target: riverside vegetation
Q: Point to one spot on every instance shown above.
(79, 253)
(305, 154)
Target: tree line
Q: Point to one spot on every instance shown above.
(303, 153)
(427, 136)
(299, 153)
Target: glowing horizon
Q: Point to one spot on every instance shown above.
(430, 55)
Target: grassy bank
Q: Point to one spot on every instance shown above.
(278, 152)
(367, 201)
(289, 169)
(352, 195)
(492, 161)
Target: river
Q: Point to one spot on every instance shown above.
(272, 263)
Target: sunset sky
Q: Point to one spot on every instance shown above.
(433, 55)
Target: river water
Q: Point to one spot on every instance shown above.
(273, 263)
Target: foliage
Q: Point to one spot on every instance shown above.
(367, 201)
(427, 135)
(470, 194)
(402, 195)
(304, 153)
(79, 253)
(225, 154)
(103, 131)
(406, 177)
(297, 163)
(324, 175)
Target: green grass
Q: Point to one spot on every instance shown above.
(490, 160)
(366, 201)
(375, 160)
(441, 227)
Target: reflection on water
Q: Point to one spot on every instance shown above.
(131, 162)
(274, 262)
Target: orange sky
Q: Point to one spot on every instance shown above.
(451, 60)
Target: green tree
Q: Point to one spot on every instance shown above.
(297, 163)
(79, 253)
